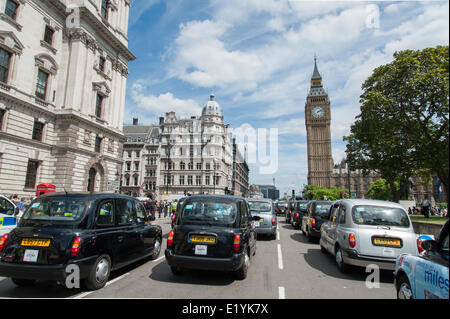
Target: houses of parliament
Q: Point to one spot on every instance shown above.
(322, 170)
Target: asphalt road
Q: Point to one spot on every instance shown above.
(286, 268)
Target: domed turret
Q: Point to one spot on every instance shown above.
(212, 108)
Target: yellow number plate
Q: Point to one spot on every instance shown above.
(35, 242)
(203, 239)
(387, 242)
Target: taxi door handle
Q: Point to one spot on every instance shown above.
(120, 238)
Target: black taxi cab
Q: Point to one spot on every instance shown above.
(96, 232)
(212, 233)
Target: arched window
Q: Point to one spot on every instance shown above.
(91, 180)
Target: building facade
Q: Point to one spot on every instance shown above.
(269, 191)
(62, 93)
(183, 156)
(240, 185)
(196, 153)
(141, 151)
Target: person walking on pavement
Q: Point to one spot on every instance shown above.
(166, 206)
(160, 208)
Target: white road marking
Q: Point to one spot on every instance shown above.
(281, 293)
(278, 235)
(280, 258)
(116, 279)
(156, 260)
(84, 294)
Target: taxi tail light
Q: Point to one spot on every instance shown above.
(237, 243)
(352, 240)
(170, 239)
(419, 246)
(75, 247)
(273, 221)
(313, 222)
(297, 215)
(173, 218)
(3, 241)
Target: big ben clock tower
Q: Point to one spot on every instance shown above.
(317, 120)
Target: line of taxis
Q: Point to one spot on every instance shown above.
(360, 232)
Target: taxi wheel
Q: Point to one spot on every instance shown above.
(241, 273)
(23, 282)
(404, 288)
(342, 266)
(156, 249)
(99, 274)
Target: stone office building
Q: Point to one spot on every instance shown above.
(169, 160)
(241, 170)
(196, 153)
(141, 160)
(62, 94)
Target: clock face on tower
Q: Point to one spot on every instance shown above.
(318, 112)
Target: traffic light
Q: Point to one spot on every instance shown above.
(340, 195)
(311, 195)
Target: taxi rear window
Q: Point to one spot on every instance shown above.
(209, 211)
(55, 209)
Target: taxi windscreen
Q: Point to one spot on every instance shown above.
(55, 209)
(209, 211)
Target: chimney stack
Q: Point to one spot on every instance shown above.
(135, 121)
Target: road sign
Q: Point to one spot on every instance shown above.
(353, 195)
(113, 186)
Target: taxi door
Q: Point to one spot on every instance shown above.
(431, 272)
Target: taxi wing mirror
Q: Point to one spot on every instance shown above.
(430, 245)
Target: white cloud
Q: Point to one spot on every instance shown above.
(202, 59)
(162, 103)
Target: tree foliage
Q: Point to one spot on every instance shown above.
(381, 190)
(403, 127)
(320, 193)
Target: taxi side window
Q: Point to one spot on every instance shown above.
(244, 214)
(6, 207)
(342, 213)
(334, 214)
(105, 214)
(140, 212)
(126, 214)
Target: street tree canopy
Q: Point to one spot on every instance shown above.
(403, 127)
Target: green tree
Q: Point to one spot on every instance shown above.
(320, 193)
(380, 190)
(403, 127)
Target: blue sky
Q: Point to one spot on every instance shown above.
(257, 57)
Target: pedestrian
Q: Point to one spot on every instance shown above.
(160, 208)
(166, 208)
(426, 207)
